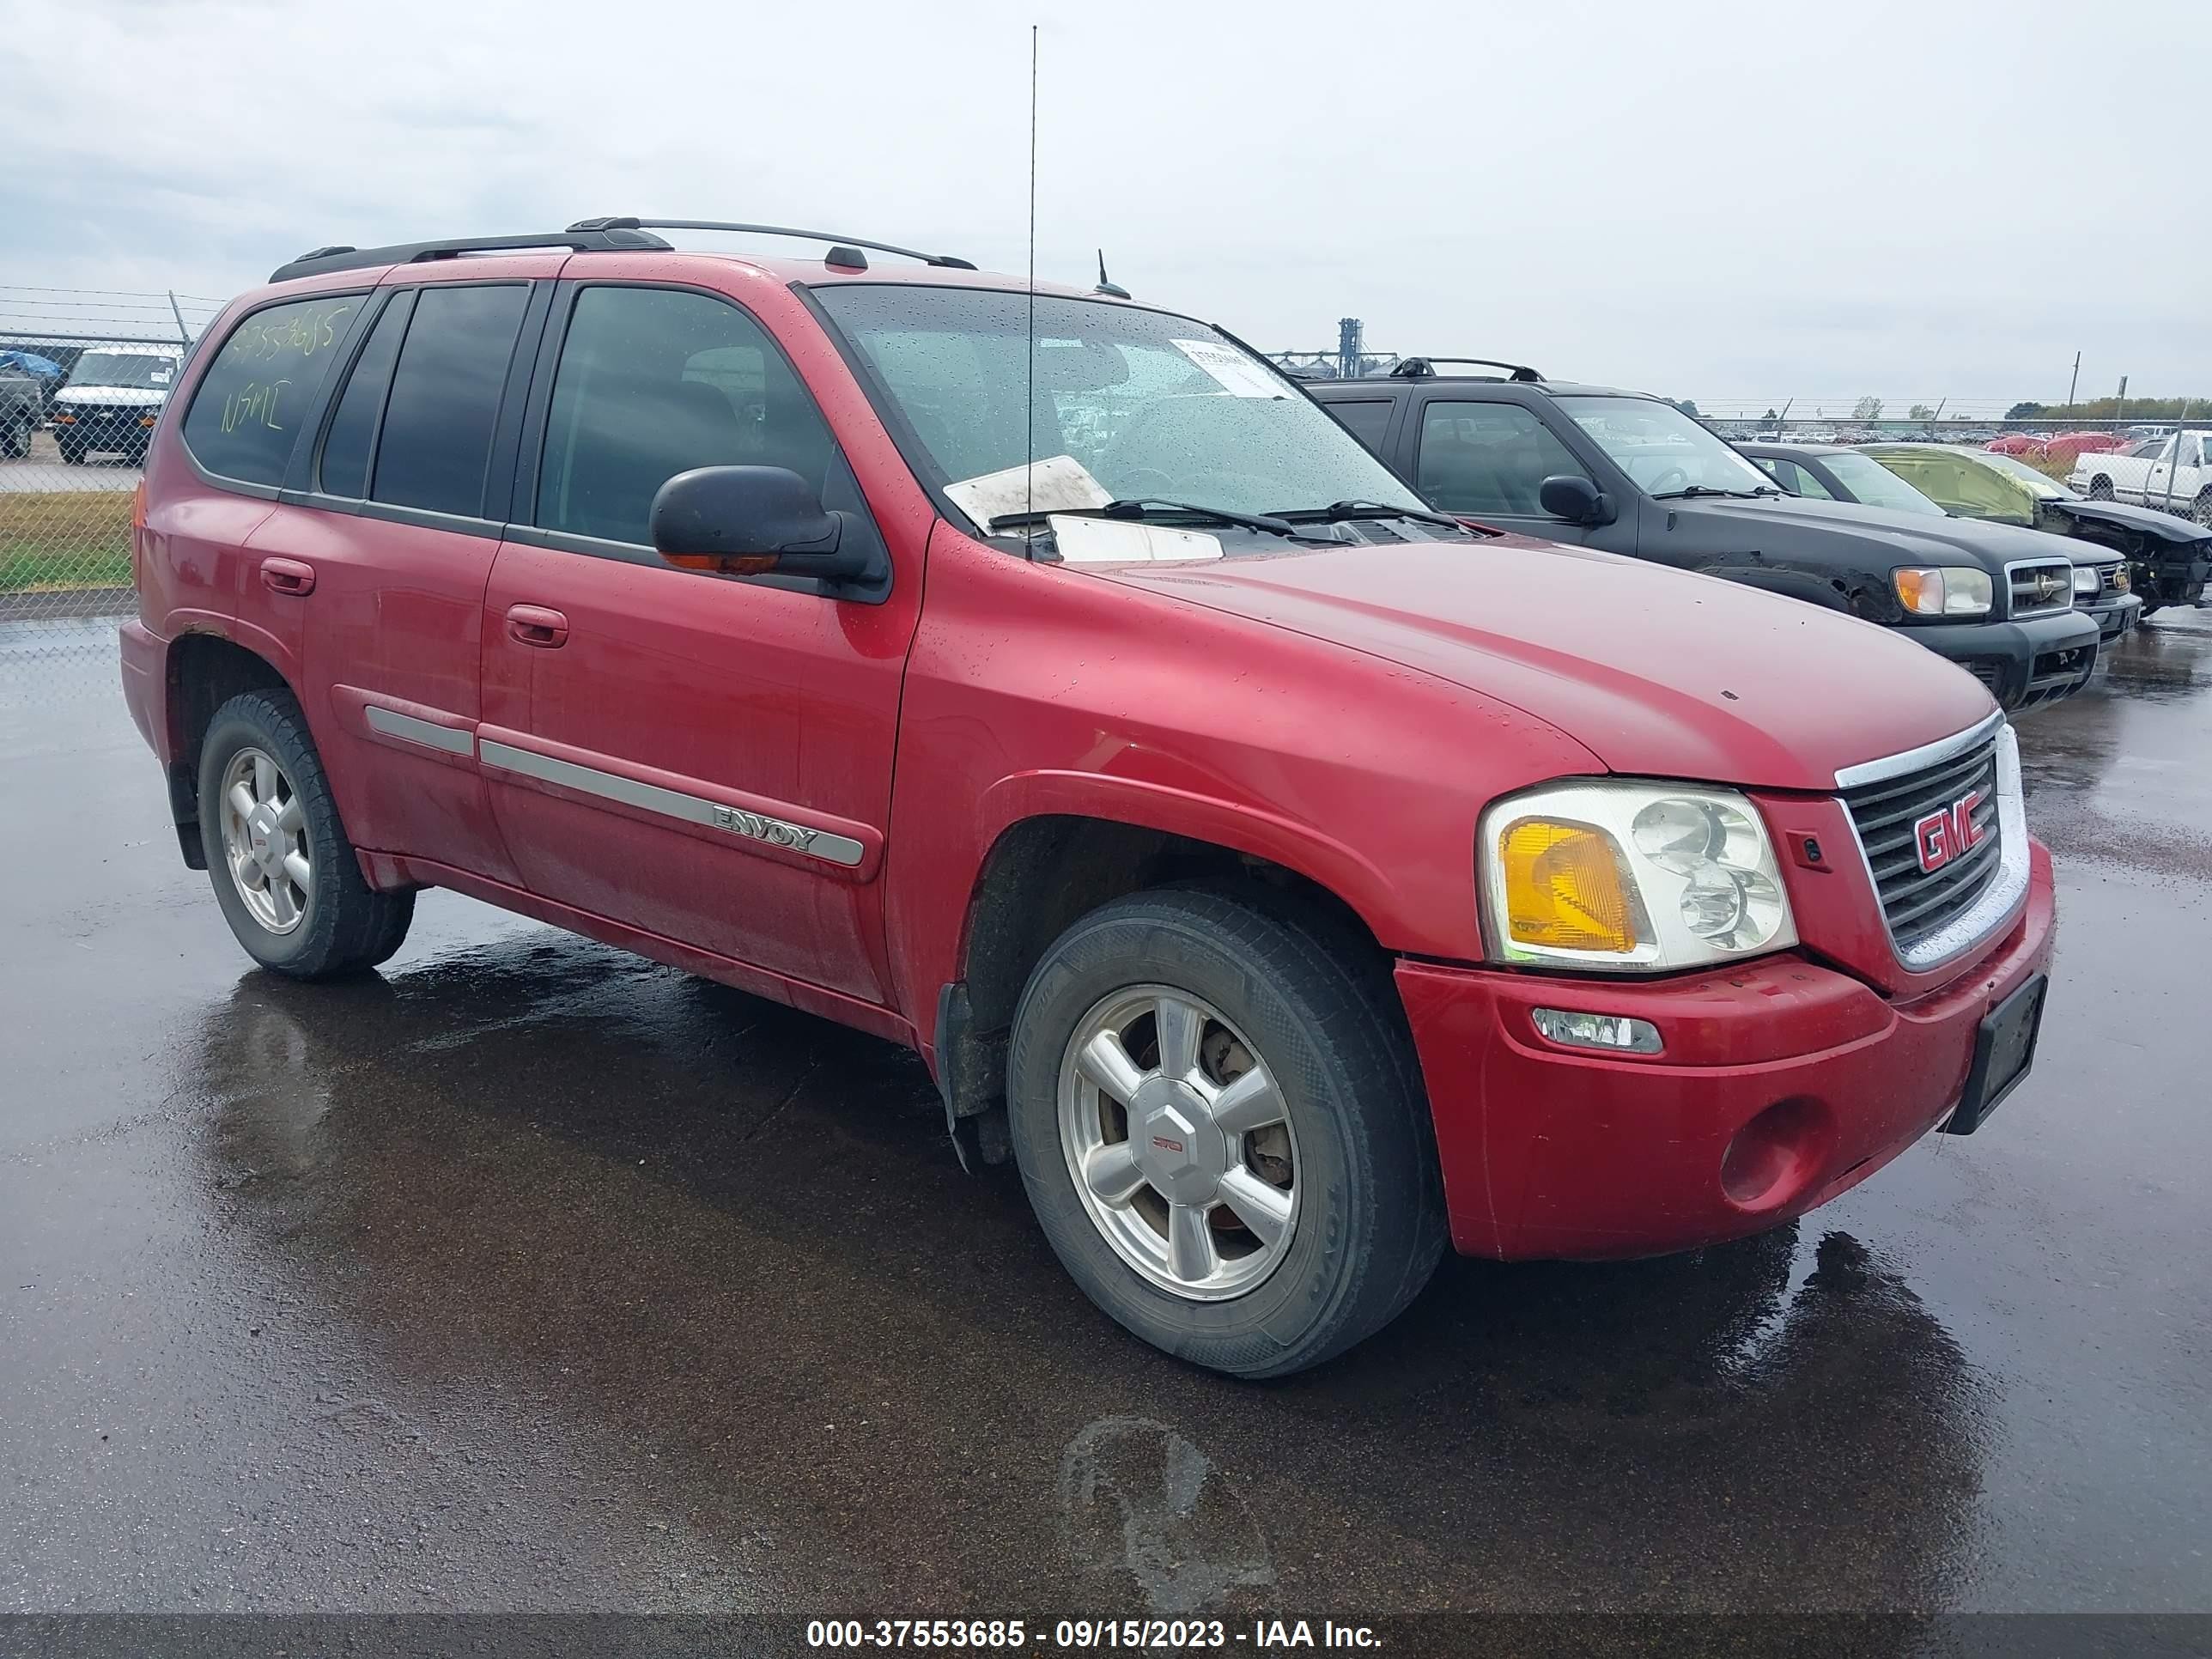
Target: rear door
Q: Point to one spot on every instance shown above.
(378, 561)
(702, 757)
(1487, 459)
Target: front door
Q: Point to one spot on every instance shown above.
(1489, 460)
(705, 758)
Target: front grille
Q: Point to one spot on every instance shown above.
(1919, 903)
(2111, 581)
(2041, 588)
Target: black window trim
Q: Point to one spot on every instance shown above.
(528, 449)
(1394, 412)
(312, 426)
(308, 492)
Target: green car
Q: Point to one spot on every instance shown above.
(2170, 558)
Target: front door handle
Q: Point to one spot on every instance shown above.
(534, 624)
(288, 576)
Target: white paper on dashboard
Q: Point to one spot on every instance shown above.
(1119, 541)
(1235, 373)
(1048, 486)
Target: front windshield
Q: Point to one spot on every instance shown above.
(138, 370)
(1148, 404)
(1662, 449)
(2040, 484)
(1872, 484)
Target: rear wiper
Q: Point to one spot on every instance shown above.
(1339, 512)
(1144, 508)
(1688, 491)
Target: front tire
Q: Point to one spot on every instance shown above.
(2201, 509)
(72, 454)
(283, 871)
(1218, 1116)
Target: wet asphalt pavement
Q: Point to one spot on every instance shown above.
(531, 1275)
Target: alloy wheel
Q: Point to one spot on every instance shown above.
(264, 841)
(1179, 1142)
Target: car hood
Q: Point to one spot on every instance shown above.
(1904, 538)
(1657, 672)
(2166, 526)
(110, 397)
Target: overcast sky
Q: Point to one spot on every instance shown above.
(1732, 202)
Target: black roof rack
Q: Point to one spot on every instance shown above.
(1417, 367)
(579, 237)
(845, 251)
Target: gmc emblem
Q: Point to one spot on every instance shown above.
(1947, 833)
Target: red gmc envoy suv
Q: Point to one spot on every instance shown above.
(1289, 879)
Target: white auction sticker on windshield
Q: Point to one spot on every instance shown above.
(1047, 486)
(1120, 541)
(1235, 374)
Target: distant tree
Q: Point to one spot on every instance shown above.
(1920, 412)
(1687, 405)
(1770, 415)
(1867, 409)
(2023, 411)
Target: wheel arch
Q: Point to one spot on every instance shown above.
(206, 669)
(1046, 869)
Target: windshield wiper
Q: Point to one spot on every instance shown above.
(1690, 490)
(1144, 508)
(1339, 512)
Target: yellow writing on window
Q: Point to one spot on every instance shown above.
(253, 403)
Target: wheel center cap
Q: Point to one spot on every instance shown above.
(261, 832)
(1177, 1147)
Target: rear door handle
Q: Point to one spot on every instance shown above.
(534, 624)
(288, 576)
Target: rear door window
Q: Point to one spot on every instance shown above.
(656, 381)
(436, 438)
(347, 445)
(1479, 457)
(1367, 419)
(265, 382)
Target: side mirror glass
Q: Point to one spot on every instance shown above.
(1570, 496)
(753, 520)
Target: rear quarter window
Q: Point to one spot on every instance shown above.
(263, 384)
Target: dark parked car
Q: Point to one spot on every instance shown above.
(1630, 473)
(2170, 558)
(23, 408)
(2101, 579)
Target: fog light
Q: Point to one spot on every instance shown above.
(1635, 1037)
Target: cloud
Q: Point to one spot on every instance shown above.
(1699, 199)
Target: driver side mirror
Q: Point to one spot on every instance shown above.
(1571, 496)
(755, 521)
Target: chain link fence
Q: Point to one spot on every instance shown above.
(84, 374)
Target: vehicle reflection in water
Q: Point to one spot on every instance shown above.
(720, 1247)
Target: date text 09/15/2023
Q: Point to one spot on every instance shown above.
(1081, 1635)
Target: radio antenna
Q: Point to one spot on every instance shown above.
(1029, 418)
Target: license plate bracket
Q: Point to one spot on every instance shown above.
(2004, 1048)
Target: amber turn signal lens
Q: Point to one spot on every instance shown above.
(1565, 888)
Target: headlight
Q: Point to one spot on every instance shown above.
(2086, 580)
(1643, 876)
(1943, 590)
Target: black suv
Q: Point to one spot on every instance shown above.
(1630, 473)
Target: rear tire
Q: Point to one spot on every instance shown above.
(1342, 1170)
(282, 870)
(2201, 509)
(2100, 488)
(15, 442)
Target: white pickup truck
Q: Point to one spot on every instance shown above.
(2176, 476)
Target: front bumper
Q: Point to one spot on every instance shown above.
(2023, 664)
(1553, 1151)
(2113, 617)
